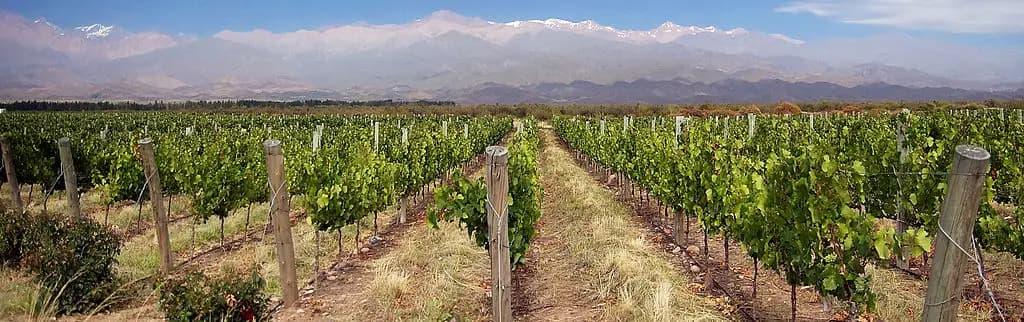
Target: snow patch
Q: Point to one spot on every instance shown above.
(95, 31)
(787, 39)
(44, 21)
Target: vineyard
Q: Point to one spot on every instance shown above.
(803, 194)
(343, 170)
(194, 215)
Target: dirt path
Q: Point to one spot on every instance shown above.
(589, 261)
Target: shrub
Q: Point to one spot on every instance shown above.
(230, 297)
(787, 108)
(12, 239)
(73, 257)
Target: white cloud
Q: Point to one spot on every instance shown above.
(958, 16)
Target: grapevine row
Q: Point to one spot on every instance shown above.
(342, 167)
(802, 192)
(465, 201)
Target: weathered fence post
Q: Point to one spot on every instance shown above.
(953, 242)
(67, 164)
(279, 210)
(678, 229)
(903, 257)
(12, 177)
(403, 208)
(156, 197)
(497, 223)
(376, 137)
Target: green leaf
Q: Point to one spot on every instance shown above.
(829, 284)
(858, 168)
(922, 241)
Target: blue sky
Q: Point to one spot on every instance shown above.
(809, 20)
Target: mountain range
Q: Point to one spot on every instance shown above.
(452, 57)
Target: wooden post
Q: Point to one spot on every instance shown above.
(497, 223)
(902, 258)
(279, 210)
(376, 137)
(956, 226)
(751, 120)
(70, 177)
(678, 130)
(403, 208)
(678, 229)
(12, 177)
(163, 237)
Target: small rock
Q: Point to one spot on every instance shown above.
(307, 292)
(332, 277)
(676, 250)
(364, 250)
(694, 269)
(692, 249)
(375, 240)
(300, 311)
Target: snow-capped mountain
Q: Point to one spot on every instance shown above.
(95, 31)
(445, 54)
(86, 43)
(348, 38)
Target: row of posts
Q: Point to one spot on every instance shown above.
(497, 213)
(278, 203)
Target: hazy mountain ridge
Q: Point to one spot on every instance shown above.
(682, 91)
(448, 56)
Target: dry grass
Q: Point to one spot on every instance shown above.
(16, 292)
(632, 277)
(427, 275)
(262, 254)
(431, 275)
(900, 298)
(389, 285)
(139, 258)
(122, 215)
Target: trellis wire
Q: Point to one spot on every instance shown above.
(981, 273)
(46, 198)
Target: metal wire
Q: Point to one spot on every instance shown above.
(985, 283)
(52, 187)
(143, 191)
(981, 272)
(938, 173)
(272, 206)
